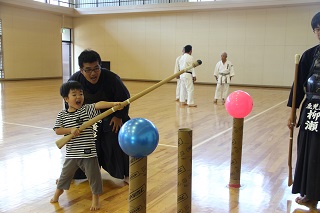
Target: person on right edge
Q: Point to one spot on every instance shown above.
(223, 72)
(188, 78)
(307, 171)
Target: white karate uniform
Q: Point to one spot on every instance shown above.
(187, 87)
(223, 72)
(176, 69)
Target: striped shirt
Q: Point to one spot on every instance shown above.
(82, 146)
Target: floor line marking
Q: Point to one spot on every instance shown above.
(27, 125)
(246, 120)
(174, 146)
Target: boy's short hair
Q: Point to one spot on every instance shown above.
(69, 85)
(315, 22)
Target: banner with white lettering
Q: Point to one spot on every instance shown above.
(310, 117)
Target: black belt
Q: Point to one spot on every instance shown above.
(189, 72)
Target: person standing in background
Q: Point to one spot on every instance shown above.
(223, 72)
(187, 78)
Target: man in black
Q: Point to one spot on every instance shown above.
(103, 85)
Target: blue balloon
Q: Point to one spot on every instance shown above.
(138, 137)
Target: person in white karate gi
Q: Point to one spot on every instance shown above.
(188, 78)
(223, 72)
(176, 69)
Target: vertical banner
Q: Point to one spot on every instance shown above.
(138, 185)
(184, 170)
(236, 152)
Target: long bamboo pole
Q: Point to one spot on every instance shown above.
(61, 142)
(293, 118)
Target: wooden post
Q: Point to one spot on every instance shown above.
(236, 153)
(138, 185)
(184, 170)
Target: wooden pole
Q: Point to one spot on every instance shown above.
(61, 142)
(138, 185)
(293, 118)
(236, 153)
(184, 170)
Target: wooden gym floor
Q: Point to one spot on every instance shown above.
(30, 162)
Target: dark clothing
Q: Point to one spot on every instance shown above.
(108, 88)
(303, 75)
(307, 171)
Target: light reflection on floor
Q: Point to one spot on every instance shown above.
(29, 176)
(207, 187)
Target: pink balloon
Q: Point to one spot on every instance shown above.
(239, 104)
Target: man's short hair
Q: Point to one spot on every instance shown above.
(187, 48)
(224, 53)
(315, 22)
(88, 56)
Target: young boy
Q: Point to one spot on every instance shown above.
(80, 150)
